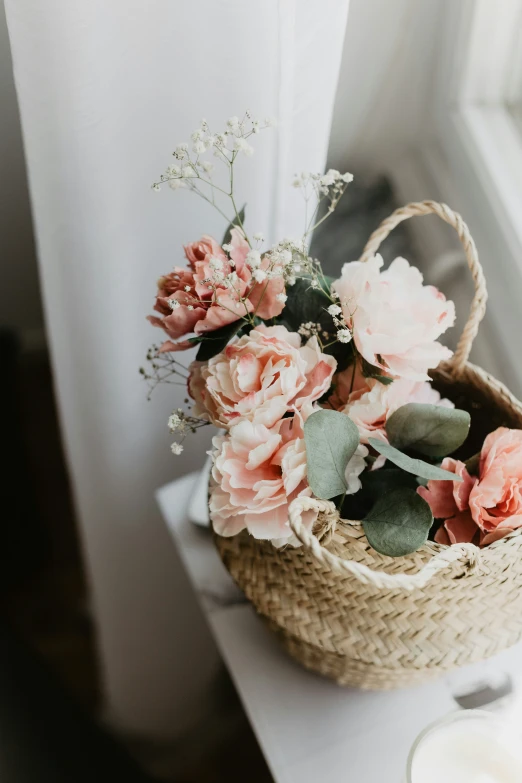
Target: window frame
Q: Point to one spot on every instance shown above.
(474, 151)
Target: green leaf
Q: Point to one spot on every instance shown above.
(370, 371)
(377, 482)
(416, 466)
(473, 464)
(399, 523)
(306, 304)
(331, 439)
(432, 430)
(214, 342)
(235, 224)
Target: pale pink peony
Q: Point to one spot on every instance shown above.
(258, 471)
(260, 377)
(485, 508)
(371, 405)
(256, 474)
(198, 308)
(395, 319)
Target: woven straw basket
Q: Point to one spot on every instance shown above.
(363, 619)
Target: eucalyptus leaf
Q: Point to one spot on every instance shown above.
(473, 464)
(398, 523)
(432, 430)
(214, 342)
(236, 223)
(416, 466)
(331, 439)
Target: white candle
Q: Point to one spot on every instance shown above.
(470, 747)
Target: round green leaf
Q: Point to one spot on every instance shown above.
(331, 439)
(432, 430)
(416, 466)
(399, 523)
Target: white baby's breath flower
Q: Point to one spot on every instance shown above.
(227, 247)
(190, 307)
(176, 184)
(242, 145)
(187, 171)
(344, 335)
(174, 422)
(199, 147)
(281, 297)
(156, 187)
(187, 288)
(347, 177)
(233, 123)
(173, 304)
(259, 276)
(207, 166)
(216, 264)
(173, 171)
(253, 259)
(334, 309)
(176, 449)
(181, 151)
(259, 237)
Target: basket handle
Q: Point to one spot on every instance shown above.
(478, 305)
(469, 554)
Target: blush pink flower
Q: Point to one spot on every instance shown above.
(188, 303)
(449, 500)
(258, 471)
(260, 377)
(488, 507)
(395, 319)
(496, 500)
(371, 405)
(256, 474)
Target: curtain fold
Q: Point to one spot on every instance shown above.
(106, 90)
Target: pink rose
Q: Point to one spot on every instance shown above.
(257, 472)
(496, 500)
(187, 304)
(488, 507)
(371, 405)
(395, 319)
(449, 500)
(260, 377)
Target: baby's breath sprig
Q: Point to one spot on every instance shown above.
(182, 423)
(193, 172)
(163, 368)
(321, 187)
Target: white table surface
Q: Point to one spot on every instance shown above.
(309, 729)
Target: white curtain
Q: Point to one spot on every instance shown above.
(106, 89)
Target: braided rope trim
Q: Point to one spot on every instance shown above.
(478, 305)
(469, 554)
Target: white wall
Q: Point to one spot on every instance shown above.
(20, 305)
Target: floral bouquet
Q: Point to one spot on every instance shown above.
(321, 387)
